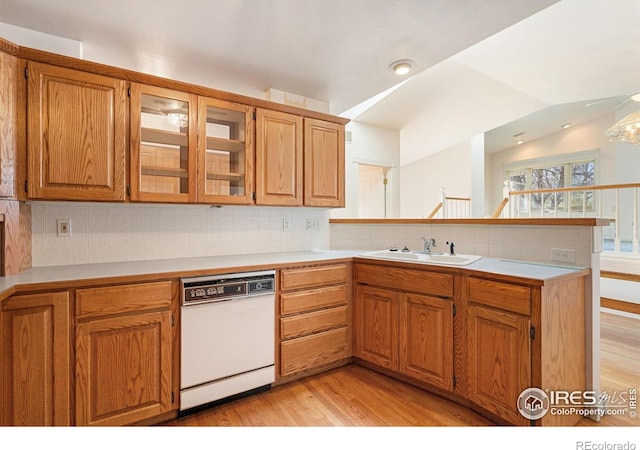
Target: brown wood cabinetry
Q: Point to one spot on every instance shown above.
(315, 318)
(323, 163)
(279, 166)
(521, 336)
(499, 365)
(485, 338)
(124, 353)
(8, 121)
(163, 144)
(76, 135)
(225, 152)
(426, 339)
(376, 332)
(407, 332)
(36, 360)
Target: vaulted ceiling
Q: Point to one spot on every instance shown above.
(479, 65)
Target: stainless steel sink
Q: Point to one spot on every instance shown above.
(425, 258)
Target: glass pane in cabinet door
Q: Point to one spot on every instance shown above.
(164, 146)
(225, 152)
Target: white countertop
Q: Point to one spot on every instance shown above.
(520, 269)
(220, 264)
(189, 266)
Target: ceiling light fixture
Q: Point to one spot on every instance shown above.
(566, 125)
(627, 130)
(402, 67)
(636, 97)
(520, 141)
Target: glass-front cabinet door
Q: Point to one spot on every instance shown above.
(225, 152)
(163, 144)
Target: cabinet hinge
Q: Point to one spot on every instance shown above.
(128, 92)
(253, 195)
(532, 332)
(26, 72)
(173, 320)
(455, 310)
(128, 189)
(173, 397)
(26, 185)
(255, 116)
(455, 381)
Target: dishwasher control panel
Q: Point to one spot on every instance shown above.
(226, 287)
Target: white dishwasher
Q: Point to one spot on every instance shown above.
(227, 336)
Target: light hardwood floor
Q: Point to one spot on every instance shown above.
(355, 396)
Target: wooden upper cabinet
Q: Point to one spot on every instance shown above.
(36, 360)
(278, 158)
(225, 152)
(8, 118)
(323, 163)
(163, 144)
(76, 134)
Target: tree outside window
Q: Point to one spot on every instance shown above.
(570, 174)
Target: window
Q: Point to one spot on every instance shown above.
(551, 177)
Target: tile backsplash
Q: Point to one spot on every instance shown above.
(107, 232)
(518, 242)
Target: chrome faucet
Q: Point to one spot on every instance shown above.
(428, 243)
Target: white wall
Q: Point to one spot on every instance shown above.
(109, 232)
(421, 180)
(370, 145)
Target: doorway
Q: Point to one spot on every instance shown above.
(373, 191)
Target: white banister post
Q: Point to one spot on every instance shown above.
(616, 240)
(443, 200)
(600, 193)
(555, 204)
(510, 211)
(584, 203)
(635, 220)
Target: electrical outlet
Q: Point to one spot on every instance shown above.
(64, 227)
(286, 224)
(563, 255)
(309, 224)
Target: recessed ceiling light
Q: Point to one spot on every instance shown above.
(402, 67)
(566, 125)
(520, 141)
(636, 97)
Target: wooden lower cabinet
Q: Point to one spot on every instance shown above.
(499, 360)
(426, 339)
(376, 312)
(314, 319)
(36, 360)
(124, 354)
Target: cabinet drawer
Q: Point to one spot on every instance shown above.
(433, 283)
(297, 302)
(305, 324)
(313, 351)
(123, 298)
(510, 297)
(313, 276)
